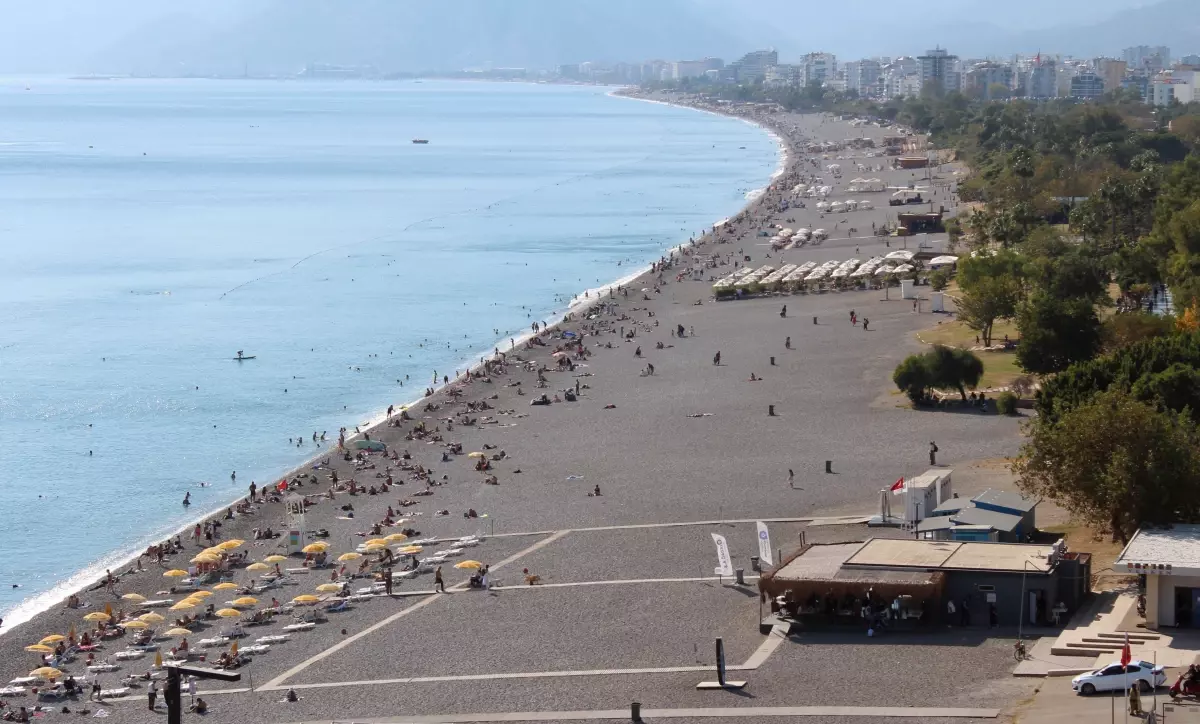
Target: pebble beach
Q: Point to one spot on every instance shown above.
(662, 433)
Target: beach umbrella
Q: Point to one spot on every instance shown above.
(349, 557)
(257, 567)
(329, 587)
(177, 631)
(134, 624)
(53, 639)
(176, 573)
(468, 564)
(231, 544)
(40, 649)
(97, 616)
(306, 598)
(152, 617)
(185, 605)
(214, 551)
(135, 597)
(158, 659)
(409, 550)
(229, 613)
(245, 601)
(46, 672)
(377, 542)
(108, 609)
(226, 586)
(477, 455)
(201, 594)
(206, 558)
(317, 547)
(374, 548)
(275, 558)
(396, 538)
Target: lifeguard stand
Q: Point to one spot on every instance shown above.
(297, 534)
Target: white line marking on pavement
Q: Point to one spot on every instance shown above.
(275, 683)
(924, 712)
(704, 579)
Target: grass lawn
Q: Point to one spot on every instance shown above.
(999, 368)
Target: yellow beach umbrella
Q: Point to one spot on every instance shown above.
(53, 639)
(177, 632)
(477, 454)
(226, 586)
(257, 567)
(229, 613)
(349, 557)
(152, 617)
(374, 548)
(315, 548)
(245, 601)
(135, 597)
(230, 544)
(468, 564)
(377, 542)
(201, 594)
(135, 624)
(40, 649)
(213, 551)
(410, 549)
(185, 605)
(306, 598)
(46, 672)
(329, 587)
(206, 558)
(275, 558)
(96, 616)
(396, 538)
(158, 659)
(176, 573)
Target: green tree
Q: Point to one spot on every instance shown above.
(1056, 333)
(913, 378)
(1115, 462)
(987, 300)
(1122, 330)
(939, 279)
(954, 369)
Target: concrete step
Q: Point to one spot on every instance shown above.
(1067, 651)
(1133, 637)
(1093, 647)
(1068, 672)
(1111, 642)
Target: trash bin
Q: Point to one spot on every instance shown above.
(755, 564)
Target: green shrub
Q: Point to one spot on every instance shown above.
(939, 279)
(1006, 403)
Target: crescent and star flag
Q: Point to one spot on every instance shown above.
(898, 487)
(1126, 657)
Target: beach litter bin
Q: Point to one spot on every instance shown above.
(755, 564)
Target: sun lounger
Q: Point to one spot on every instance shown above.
(12, 691)
(23, 680)
(113, 693)
(275, 639)
(297, 570)
(161, 603)
(128, 654)
(254, 649)
(404, 574)
(102, 668)
(298, 627)
(208, 643)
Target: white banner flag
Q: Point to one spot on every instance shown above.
(724, 563)
(764, 544)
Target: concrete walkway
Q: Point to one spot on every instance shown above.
(716, 712)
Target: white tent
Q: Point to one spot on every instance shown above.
(900, 255)
(942, 261)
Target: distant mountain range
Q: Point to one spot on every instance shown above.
(447, 35)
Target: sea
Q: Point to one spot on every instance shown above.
(151, 229)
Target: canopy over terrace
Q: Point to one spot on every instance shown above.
(817, 570)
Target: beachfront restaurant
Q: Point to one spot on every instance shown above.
(1169, 560)
(829, 584)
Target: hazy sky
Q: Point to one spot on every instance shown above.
(75, 35)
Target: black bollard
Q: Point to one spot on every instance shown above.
(635, 711)
(770, 410)
(829, 466)
(772, 361)
(814, 320)
(740, 576)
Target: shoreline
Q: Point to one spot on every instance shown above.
(91, 575)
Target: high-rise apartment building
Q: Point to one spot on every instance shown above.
(939, 68)
(1150, 58)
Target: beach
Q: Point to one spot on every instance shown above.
(676, 451)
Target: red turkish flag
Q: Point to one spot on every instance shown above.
(898, 486)
(1125, 655)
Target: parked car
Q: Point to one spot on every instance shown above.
(1115, 677)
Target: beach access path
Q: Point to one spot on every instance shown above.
(628, 605)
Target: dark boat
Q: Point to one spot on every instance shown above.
(420, 141)
(241, 357)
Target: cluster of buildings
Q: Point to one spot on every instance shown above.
(1151, 71)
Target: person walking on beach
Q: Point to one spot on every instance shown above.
(783, 312)
(865, 323)
(933, 451)
(387, 580)
(787, 343)
(791, 478)
(717, 359)
(253, 490)
(438, 584)
(152, 694)
(853, 317)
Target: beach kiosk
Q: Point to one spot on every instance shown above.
(297, 533)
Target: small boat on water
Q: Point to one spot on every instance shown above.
(241, 357)
(420, 141)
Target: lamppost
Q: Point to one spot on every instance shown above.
(1021, 620)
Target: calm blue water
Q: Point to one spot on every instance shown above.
(149, 229)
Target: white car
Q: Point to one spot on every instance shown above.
(1115, 677)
